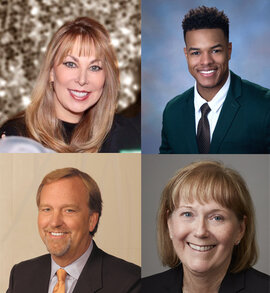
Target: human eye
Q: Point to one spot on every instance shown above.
(195, 53)
(186, 214)
(215, 51)
(70, 211)
(69, 64)
(217, 218)
(95, 68)
(45, 209)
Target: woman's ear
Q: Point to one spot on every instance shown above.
(242, 230)
(169, 224)
(51, 75)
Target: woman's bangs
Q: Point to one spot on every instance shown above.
(79, 45)
(204, 188)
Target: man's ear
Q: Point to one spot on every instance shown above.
(93, 221)
(185, 51)
(229, 50)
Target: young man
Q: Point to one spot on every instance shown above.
(69, 207)
(222, 113)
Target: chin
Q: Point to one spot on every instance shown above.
(198, 267)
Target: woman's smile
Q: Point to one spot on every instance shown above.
(201, 248)
(80, 95)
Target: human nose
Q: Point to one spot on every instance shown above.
(206, 58)
(82, 77)
(201, 228)
(56, 219)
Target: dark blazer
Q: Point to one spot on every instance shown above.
(171, 281)
(243, 126)
(103, 273)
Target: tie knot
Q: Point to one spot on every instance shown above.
(61, 275)
(205, 109)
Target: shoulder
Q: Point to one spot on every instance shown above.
(249, 90)
(117, 274)
(256, 92)
(257, 279)
(118, 266)
(14, 127)
(248, 85)
(124, 135)
(180, 100)
(248, 281)
(32, 264)
(169, 279)
(31, 275)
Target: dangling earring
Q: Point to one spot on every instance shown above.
(51, 85)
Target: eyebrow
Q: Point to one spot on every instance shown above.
(77, 60)
(211, 211)
(62, 207)
(198, 49)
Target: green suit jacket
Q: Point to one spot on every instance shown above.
(243, 126)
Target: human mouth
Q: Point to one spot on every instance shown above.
(79, 95)
(201, 248)
(57, 234)
(207, 73)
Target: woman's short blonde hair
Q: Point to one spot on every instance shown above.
(205, 181)
(42, 123)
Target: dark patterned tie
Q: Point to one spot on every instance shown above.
(203, 131)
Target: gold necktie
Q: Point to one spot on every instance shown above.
(60, 286)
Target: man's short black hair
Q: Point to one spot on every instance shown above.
(205, 17)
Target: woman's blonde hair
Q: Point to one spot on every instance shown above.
(205, 181)
(41, 121)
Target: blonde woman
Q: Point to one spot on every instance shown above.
(206, 234)
(74, 100)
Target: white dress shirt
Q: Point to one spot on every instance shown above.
(215, 105)
(73, 271)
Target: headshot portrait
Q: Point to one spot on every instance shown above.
(81, 99)
(199, 94)
(70, 229)
(211, 222)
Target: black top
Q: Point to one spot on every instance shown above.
(124, 135)
(171, 281)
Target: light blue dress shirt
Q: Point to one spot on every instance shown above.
(73, 271)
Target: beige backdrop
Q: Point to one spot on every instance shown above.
(119, 179)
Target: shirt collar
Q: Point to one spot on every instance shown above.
(74, 269)
(218, 99)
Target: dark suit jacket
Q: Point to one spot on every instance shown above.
(243, 126)
(103, 273)
(171, 281)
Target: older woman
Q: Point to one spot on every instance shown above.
(74, 100)
(206, 234)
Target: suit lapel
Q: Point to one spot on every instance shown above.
(173, 282)
(228, 112)
(233, 283)
(188, 118)
(41, 276)
(90, 279)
